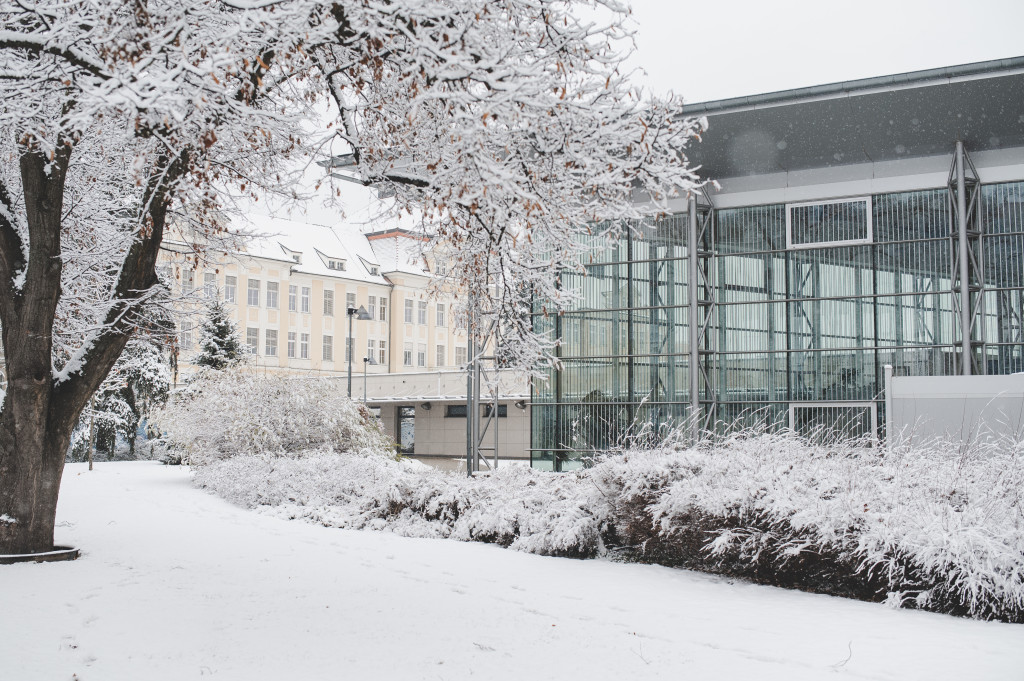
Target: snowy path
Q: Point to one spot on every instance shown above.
(176, 584)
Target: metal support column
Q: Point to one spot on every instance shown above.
(701, 292)
(967, 265)
(477, 424)
(692, 290)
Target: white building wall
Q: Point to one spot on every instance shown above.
(961, 408)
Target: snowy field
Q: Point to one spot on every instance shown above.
(177, 584)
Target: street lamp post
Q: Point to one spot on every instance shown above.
(358, 314)
(367, 361)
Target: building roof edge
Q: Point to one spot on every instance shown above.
(896, 81)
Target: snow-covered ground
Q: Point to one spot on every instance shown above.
(176, 584)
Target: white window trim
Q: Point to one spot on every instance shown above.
(793, 406)
(866, 200)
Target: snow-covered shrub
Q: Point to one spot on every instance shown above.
(222, 414)
(939, 528)
(516, 507)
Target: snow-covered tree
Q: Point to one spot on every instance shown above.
(510, 126)
(139, 382)
(219, 344)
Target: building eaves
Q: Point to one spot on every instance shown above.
(993, 68)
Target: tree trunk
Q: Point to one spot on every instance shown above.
(31, 464)
(32, 443)
(38, 414)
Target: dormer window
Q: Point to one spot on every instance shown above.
(338, 265)
(374, 271)
(296, 258)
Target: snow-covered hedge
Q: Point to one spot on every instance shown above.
(937, 528)
(221, 414)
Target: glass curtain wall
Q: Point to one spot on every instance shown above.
(623, 349)
(793, 327)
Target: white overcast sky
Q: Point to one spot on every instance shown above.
(730, 48)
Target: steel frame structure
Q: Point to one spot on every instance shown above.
(702, 313)
(482, 372)
(914, 297)
(967, 261)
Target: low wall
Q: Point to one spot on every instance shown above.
(964, 408)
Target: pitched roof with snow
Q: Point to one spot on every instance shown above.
(314, 249)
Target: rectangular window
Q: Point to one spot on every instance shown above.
(406, 429)
(293, 298)
(305, 299)
(252, 340)
(253, 299)
(421, 355)
(383, 350)
(455, 411)
(421, 313)
(440, 315)
(371, 307)
(442, 355)
(383, 309)
(350, 301)
(407, 355)
(460, 356)
(210, 285)
(188, 282)
(831, 422)
(230, 286)
(502, 410)
(291, 344)
(304, 346)
(371, 349)
(830, 223)
(271, 344)
(328, 355)
(272, 290)
(408, 311)
(186, 335)
(329, 303)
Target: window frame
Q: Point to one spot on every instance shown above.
(268, 349)
(250, 290)
(869, 239)
(273, 295)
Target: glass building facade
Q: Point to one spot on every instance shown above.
(803, 307)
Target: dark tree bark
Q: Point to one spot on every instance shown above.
(39, 414)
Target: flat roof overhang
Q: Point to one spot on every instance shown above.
(889, 118)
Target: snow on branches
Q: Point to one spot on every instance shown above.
(509, 126)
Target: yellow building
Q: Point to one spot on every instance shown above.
(289, 290)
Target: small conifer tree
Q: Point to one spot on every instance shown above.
(219, 344)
